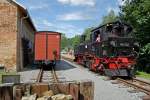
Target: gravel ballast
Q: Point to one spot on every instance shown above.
(29, 76)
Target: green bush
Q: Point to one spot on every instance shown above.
(144, 59)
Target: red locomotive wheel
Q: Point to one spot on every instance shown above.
(100, 69)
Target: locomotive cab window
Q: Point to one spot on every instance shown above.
(97, 36)
(116, 31)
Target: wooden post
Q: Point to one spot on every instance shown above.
(59, 88)
(83, 90)
(39, 88)
(54, 88)
(6, 92)
(18, 94)
(19, 91)
(86, 90)
(74, 91)
(63, 88)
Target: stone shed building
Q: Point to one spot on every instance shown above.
(16, 35)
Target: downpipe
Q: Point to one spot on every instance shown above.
(21, 36)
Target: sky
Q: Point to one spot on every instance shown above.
(71, 17)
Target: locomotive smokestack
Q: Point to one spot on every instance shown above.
(82, 39)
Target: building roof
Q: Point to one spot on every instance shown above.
(24, 9)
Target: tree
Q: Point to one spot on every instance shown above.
(64, 41)
(74, 41)
(87, 33)
(111, 17)
(137, 14)
(69, 42)
(144, 58)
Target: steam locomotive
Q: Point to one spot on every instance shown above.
(110, 51)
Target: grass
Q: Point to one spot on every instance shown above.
(4, 73)
(143, 75)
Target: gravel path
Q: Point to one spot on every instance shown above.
(104, 90)
(146, 80)
(29, 75)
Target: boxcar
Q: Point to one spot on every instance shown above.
(47, 47)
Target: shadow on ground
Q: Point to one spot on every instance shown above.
(29, 68)
(62, 65)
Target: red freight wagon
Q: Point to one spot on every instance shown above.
(47, 47)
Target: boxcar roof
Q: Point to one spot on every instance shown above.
(49, 32)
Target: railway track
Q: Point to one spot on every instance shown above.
(137, 84)
(49, 76)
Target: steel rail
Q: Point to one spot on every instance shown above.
(143, 82)
(130, 83)
(54, 75)
(39, 78)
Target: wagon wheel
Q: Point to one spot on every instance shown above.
(84, 63)
(87, 64)
(131, 71)
(100, 69)
(90, 67)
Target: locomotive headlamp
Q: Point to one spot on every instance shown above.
(113, 43)
(109, 24)
(86, 46)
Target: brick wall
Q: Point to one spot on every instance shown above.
(8, 36)
(11, 49)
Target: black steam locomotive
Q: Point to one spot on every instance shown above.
(110, 51)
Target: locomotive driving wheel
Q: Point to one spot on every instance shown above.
(100, 69)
